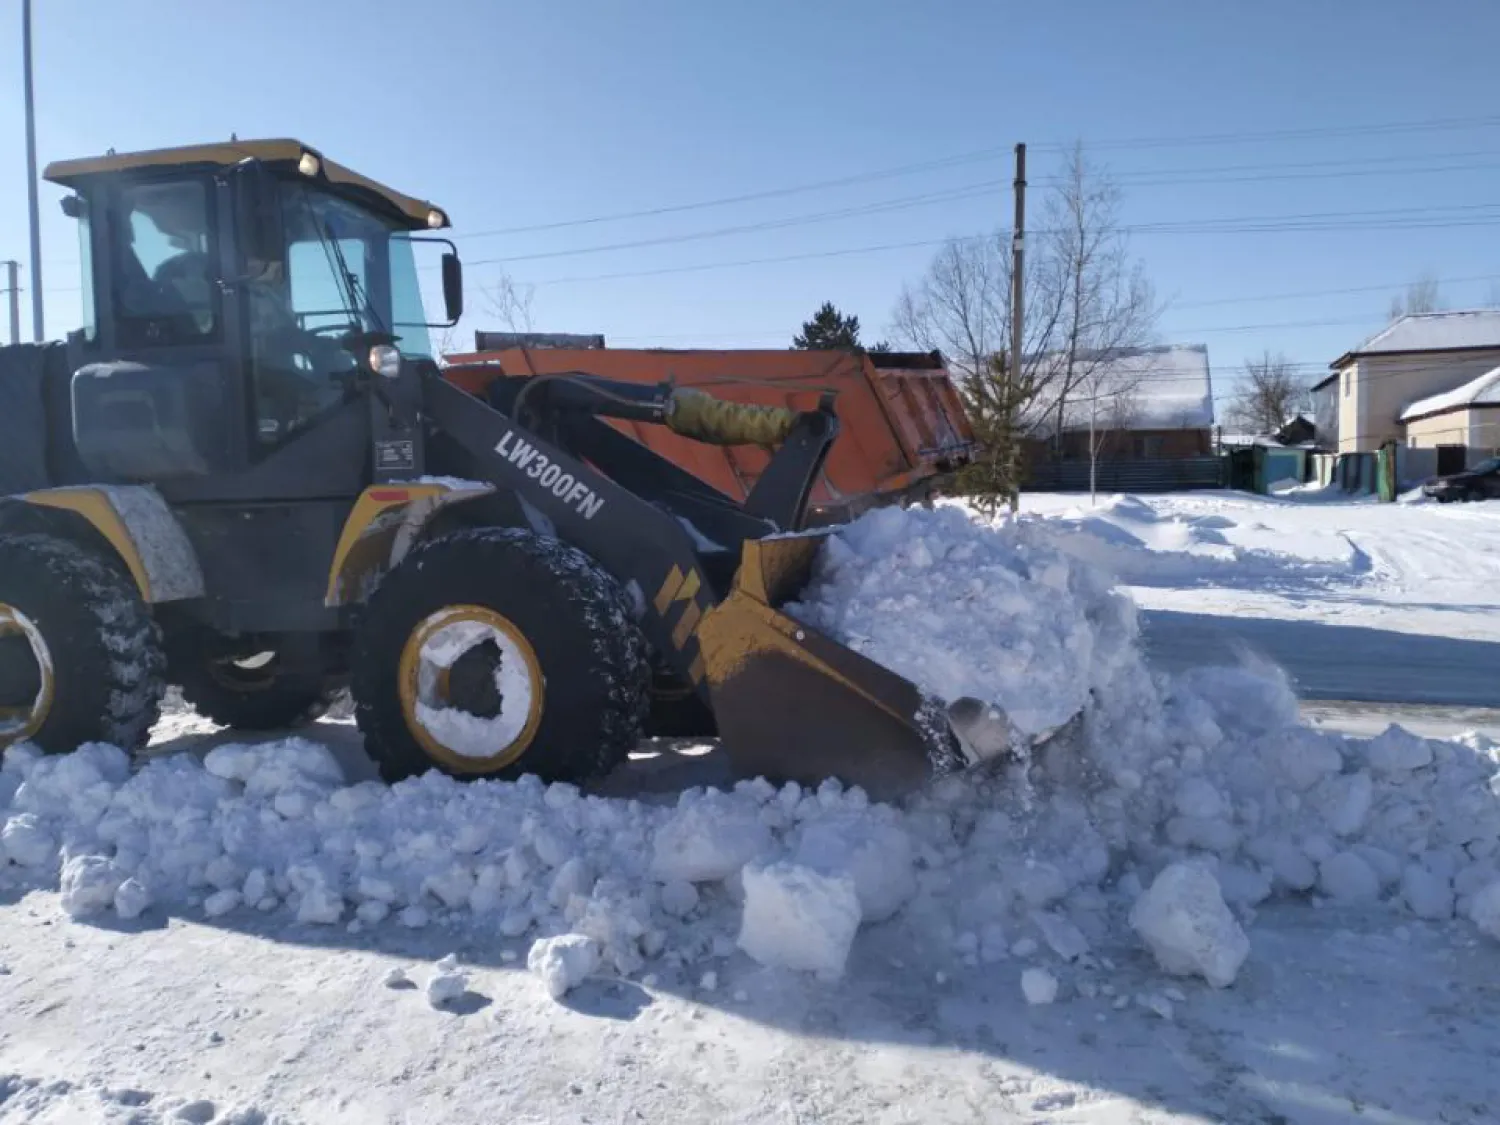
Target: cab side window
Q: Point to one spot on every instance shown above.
(166, 283)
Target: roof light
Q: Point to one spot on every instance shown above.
(436, 220)
(309, 165)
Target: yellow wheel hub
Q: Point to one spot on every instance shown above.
(18, 723)
(471, 689)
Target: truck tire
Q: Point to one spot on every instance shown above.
(247, 694)
(95, 651)
(495, 652)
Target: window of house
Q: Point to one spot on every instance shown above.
(1348, 382)
(1148, 448)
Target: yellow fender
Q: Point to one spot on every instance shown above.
(384, 524)
(138, 524)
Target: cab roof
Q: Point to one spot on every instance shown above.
(223, 154)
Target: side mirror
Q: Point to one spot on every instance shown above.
(257, 214)
(73, 206)
(453, 287)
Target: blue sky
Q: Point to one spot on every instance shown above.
(521, 115)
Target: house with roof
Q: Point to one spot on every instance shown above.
(1463, 424)
(1148, 403)
(1366, 401)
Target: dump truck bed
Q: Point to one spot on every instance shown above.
(903, 427)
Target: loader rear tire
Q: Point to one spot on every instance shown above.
(554, 662)
(94, 647)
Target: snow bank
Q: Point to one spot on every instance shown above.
(1043, 859)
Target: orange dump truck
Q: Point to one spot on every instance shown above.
(903, 428)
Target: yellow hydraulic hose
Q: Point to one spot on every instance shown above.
(700, 416)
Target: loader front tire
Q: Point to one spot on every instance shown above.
(82, 655)
(495, 652)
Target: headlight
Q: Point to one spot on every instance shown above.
(436, 220)
(309, 165)
(385, 360)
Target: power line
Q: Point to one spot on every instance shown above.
(1432, 125)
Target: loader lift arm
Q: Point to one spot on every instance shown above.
(586, 486)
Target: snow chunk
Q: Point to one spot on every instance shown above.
(798, 918)
(1484, 910)
(27, 842)
(1183, 919)
(709, 837)
(1426, 894)
(89, 883)
(1038, 986)
(1397, 750)
(679, 898)
(131, 899)
(563, 962)
(1347, 877)
(870, 847)
(447, 984)
(220, 902)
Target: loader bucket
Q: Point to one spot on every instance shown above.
(792, 704)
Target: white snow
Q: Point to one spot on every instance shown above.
(1038, 986)
(563, 963)
(797, 918)
(1483, 391)
(968, 612)
(89, 883)
(873, 848)
(709, 837)
(1183, 919)
(465, 734)
(1177, 805)
(447, 982)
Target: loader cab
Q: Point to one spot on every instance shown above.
(251, 311)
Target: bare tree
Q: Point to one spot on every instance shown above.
(1109, 396)
(962, 308)
(511, 303)
(1268, 395)
(1421, 296)
(1085, 298)
(1108, 303)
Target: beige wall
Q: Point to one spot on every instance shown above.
(1478, 428)
(1375, 389)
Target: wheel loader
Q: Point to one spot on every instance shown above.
(245, 475)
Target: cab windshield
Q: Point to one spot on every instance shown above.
(342, 271)
(347, 266)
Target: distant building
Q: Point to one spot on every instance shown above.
(1415, 358)
(1463, 424)
(1153, 403)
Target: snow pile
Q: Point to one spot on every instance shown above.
(967, 611)
(1184, 921)
(1049, 859)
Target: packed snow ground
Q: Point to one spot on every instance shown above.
(1426, 569)
(1395, 603)
(1189, 907)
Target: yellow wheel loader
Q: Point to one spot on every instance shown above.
(246, 475)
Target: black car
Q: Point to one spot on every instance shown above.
(1482, 482)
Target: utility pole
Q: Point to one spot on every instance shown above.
(38, 321)
(13, 292)
(1017, 334)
